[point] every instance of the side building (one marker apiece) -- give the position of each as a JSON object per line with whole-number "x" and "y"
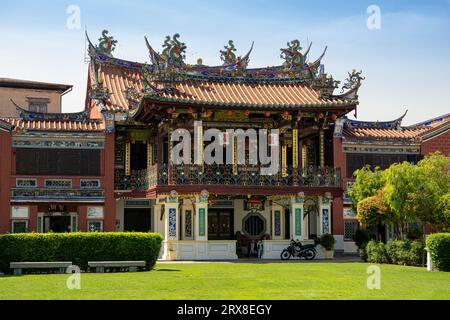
{"x": 380, "y": 144}
{"x": 56, "y": 173}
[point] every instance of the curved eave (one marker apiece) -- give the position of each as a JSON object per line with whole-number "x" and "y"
{"x": 348, "y": 104}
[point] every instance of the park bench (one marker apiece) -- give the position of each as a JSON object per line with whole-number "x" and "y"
{"x": 101, "y": 265}
{"x": 60, "y": 265}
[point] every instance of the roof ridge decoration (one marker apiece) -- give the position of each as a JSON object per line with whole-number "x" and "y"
{"x": 393, "y": 125}
{"x": 27, "y": 115}
{"x": 352, "y": 85}
{"x": 429, "y": 122}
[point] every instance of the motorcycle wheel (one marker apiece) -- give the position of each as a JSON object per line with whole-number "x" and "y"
{"x": 310, "y": 255}
{"x": 285, "y": 255}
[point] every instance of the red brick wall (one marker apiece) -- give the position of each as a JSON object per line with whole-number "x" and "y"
{"x": 439, "y": 143}
{"x": 340, "y": 159}
{"x": 5, "y": 173}
{"x": 337, "y": 209}
{"x": 110, "y": 201}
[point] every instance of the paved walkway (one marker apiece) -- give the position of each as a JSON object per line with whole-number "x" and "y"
{"x": 337, "y": 259}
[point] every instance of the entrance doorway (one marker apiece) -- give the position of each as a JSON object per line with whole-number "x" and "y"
{"x": 220, "y": 224}
{"x": 57, "y": 224}
{"x": 312, "y": 212}
{"x": 137, "y": 220}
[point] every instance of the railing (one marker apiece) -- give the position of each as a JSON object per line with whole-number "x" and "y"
{"x": 238, "y": 175}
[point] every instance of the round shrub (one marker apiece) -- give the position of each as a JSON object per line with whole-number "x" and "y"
{"x": 376, "y": 252}
{"x": 327, "y": 241}
{"x": 79, "y": 248}
{"x": 438, "y": 245}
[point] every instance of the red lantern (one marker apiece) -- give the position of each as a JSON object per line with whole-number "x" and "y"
{"x": 285, "y": 114}
{"x": 247, "y": 113}
{"x": 267, "y": 114}
{"x": 321, "y": 115}
{"x": 169, "y": 110}
{"x": 230, "y": 113}
{"x": 190, "y": 110}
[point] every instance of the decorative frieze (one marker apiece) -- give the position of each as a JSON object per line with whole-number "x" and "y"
{"x": 60, "y": 195}
{"x": 20, "y": 142}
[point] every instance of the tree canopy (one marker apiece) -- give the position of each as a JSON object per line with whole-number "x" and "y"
{"x": 404, "y": 192}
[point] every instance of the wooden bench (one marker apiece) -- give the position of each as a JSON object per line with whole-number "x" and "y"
{"x": 60, "y": 265}
{"x": 101, "y": 265}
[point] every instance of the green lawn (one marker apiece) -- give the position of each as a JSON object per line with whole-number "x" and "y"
{"x": 237, "y": 281}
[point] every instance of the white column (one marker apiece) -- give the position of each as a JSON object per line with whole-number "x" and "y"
{"x": 277, "y": 222}
{"x": 171, "y": 223}
{"x": 40, "y": 222}
{"x": 201, "y": 218}
{"x": 324, "y": 215}
{"x": 297, "y": 206}
{"x": 73, "y": 222}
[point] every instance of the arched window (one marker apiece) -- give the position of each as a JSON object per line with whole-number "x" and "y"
{"x": 254, "y": 224}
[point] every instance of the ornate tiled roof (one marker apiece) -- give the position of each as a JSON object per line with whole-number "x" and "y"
{"x": 36, "y": 121}
{"x": 119, "y": 85}
{"x": 55, "y": 125}
{"x": 119, "y": 81}
{"x": 393, "y": 130}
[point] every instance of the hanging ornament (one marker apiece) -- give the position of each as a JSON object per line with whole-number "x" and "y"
{"x": 267, "y": 114}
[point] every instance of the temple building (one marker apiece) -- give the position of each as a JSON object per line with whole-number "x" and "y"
{"x": 214, "y": 211}
{"x": 215, "y": 158}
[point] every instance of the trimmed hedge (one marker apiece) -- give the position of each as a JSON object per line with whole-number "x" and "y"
{"x": 438, "y": 245}
{"x": 409, "y": 253}
{"x": 79, "y": 248}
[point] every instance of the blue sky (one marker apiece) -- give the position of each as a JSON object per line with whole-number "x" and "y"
{"x": 406, "y": 62}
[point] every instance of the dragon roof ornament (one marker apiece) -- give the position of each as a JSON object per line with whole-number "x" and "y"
{"x": 292, "y": 55}
{"x": 106, "y": 43}
{"x": 352, "y": 85}
{"x": 173, "y": 53}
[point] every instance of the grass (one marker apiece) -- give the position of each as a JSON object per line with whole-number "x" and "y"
{"x": 253, "y": 281}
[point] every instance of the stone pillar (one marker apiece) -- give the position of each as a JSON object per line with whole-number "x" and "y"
{"x": 171, "y": 230}
{"x": 297, "y": 207}
{"x": 324, "y": 214}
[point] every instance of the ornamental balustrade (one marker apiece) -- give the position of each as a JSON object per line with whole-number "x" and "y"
{"x": 226, "y": 174}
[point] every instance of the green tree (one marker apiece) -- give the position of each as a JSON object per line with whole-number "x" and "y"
{"x": 367, "y": 184}
{"x": 430, "y": 201}
{"x": 373, "y": 211}
{"x": 402, "y": 179}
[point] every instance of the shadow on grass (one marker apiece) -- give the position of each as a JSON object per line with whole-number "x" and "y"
{"x": 168, "y": 270}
